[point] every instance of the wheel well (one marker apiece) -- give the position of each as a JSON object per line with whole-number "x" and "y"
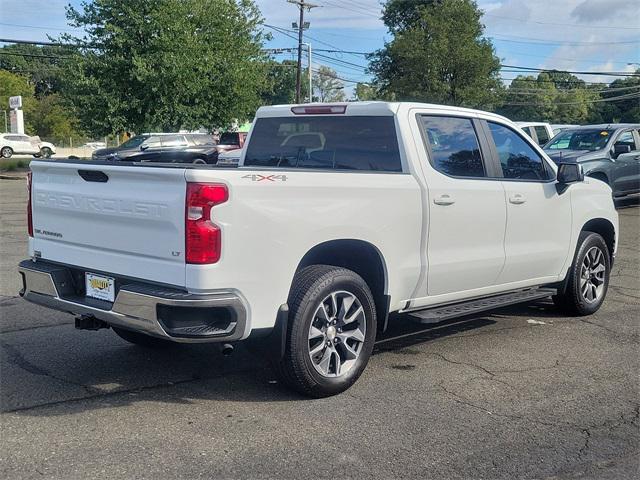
{"x": 605, "y": 229}
{"x": 361, "y": 257}
{"x": 599, "y": 176}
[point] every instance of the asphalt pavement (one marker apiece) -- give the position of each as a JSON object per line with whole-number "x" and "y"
{"x": 520, "y": 393}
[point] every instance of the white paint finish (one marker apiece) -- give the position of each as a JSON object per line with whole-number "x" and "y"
{"x": 269, "y": 226}
{"x": 131, "y": 225}
{"x": 538, "y": 230}
{"x": 433, "y": 254}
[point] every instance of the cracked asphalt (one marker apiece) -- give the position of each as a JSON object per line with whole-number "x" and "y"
{"x": 520, "y": 393}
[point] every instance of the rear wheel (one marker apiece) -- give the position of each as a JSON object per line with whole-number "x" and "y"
{"x": 141, "y": 339}
{"x": 331, "y": 331}
{"x": 45, "y": 152}
{"x": 588, "y": 277}
{"x": 6, "y": 152}
{"x": 199, "y": 161}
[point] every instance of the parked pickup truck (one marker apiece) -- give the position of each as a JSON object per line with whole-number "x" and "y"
{"x": 336, "y": 216}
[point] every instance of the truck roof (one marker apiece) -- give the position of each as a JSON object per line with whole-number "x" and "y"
{"x": 371, "y": 108}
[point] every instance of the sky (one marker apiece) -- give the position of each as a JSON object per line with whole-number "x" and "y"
{"x": 577, "y": 35}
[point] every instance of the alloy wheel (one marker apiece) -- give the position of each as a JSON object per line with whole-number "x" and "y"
{"x": 592, "y": 275}
{"x": 336, "y": 334}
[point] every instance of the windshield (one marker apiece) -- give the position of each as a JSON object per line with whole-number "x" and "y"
{"x": 134, "y": 142}
{"x": 583, "y": 139}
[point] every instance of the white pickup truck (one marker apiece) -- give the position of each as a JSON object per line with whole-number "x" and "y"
{"x": 336, "y": 216}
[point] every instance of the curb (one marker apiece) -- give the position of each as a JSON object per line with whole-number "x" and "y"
{"x": 13, "y": 177}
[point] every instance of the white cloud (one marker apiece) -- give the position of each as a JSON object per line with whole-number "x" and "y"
{"x": 577, "y": 36}
{"x": 598, "y": 10}
{"x": 359, "y": 15}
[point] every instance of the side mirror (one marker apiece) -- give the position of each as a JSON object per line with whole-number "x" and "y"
{"x": 568, "y": 173}
{"x": 144, "y": 146}
{"x": 619, "y": 149}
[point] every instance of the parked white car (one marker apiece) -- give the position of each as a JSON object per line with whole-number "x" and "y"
{"x": 229, "y": 158}
{"x": 17, "y": 143}
{"x": 308, "y": 245}
{"x": 540, "y": 132}
{"x": 47, "y": 149}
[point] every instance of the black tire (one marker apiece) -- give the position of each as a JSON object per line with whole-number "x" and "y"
{"x": 6, "y": 152}
{"x": 45, "y": 152}
{"x": 573, "y": 301}
{"x": 141, "y": 339}
{"x": 312, "y": 286}
{"x": 199, "y": 161}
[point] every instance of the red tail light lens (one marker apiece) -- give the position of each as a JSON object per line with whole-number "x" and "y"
{"x": 29, "y": 208}
{"x": 203, "y": 238}
{"x": 319, "y": 109}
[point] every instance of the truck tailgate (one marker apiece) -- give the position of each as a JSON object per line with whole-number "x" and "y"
{"x": 118, "y": 219}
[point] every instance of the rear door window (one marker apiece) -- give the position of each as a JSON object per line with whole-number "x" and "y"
{"x": 453, "y": 146}
{"x": 365, "y": 143}
{"x": 542, "y": 134}
{"x": 173, "y": 141}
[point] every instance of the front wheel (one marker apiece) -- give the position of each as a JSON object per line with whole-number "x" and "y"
{"x": 6, "y": 152}
{"x": 331, "y": 331}
{"x": 588, "y": 277}
{"x": 45, "y": 152}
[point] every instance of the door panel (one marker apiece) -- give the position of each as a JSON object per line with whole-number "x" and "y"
{"x": 466, "y": 212}
{"x": 538, "y": 227}
{"x": 538, "y": 231}
{"x": 627, "y": 165}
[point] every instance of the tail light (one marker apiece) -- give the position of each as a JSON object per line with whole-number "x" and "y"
{"x": 203, "y": 238}
{"x": 318, "y": 109}
{"x": 29, "y": 208}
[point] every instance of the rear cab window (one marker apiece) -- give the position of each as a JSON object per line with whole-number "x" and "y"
{"x": 327, "y": 142}
{"x": 453, "y": 146}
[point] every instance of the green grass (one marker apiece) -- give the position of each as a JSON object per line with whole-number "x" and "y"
{"x": 13, "y": 165}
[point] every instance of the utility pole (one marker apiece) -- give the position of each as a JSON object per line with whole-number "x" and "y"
{"x": 302, "y": 4}
{"x": 309, "y": 64}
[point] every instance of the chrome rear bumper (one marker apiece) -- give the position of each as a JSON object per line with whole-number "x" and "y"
{"x": 137, "y": 306}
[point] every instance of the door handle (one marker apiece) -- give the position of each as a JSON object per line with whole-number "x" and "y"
{"x": 517, "y": 199}
{"x": 444, "y": 199}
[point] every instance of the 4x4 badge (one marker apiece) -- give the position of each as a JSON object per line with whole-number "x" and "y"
{"x": 268, "y": 178}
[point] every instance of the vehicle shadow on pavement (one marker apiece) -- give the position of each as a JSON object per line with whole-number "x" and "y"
{"x": 627, "y": 202}
{"x": 71, "y": 371}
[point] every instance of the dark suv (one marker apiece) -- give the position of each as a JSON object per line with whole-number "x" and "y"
{"x": 610, "y": 153}
{"x": 163, "y": 147}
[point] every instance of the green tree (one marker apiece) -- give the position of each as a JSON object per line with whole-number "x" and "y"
{"x": 52, "y": 118}
{"x": 12, "y": 84}
{"x": 41, "y": 65}
{"x": 165, "y": 64}
{"x": 326, "y": 85}
{"x": 364, "y": 92}
{"x": 529, "y": 99}
{"x": 437, "y": 54}
{"x": 621, "y": 102}
{"x": 281, "y": 83}
{"x": 557, "y": 97}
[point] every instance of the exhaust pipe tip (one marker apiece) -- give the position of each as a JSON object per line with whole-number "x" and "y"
{"x": 226, "y": 349}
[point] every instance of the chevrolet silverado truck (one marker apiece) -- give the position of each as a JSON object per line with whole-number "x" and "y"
{"x": 337, "y": 215}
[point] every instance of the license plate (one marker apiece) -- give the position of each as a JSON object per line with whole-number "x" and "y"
{"x": 99, "y": 286}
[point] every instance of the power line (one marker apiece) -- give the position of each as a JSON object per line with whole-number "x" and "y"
{"x": 542, "y": 41}
{"x": 18, "y": 54}
{"x": 584, "y": 25}
{"x": 573, "y": 72}
{"x": 40, "y": 27}
{"x": 627, "y": 96}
